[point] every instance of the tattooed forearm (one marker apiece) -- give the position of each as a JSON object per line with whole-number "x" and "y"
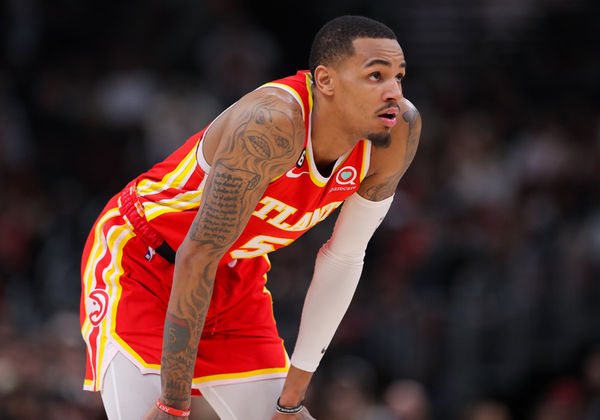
{"x": 183, "y": 328}
{"x": 177, "y": 333}
{"x": 195, "y": 302}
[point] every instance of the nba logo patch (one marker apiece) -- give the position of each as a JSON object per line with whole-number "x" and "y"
{"x": 149, "y": 254}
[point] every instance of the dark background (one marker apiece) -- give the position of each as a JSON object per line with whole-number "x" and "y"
{"x": 480, "y": 295}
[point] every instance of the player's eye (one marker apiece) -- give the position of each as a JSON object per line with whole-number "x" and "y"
{"x": 375, "y": 76}
{"x": 399, "y": 77}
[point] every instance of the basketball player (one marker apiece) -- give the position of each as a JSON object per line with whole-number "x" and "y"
{"x": 162, "y": 325}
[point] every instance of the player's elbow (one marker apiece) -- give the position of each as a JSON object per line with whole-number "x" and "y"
{"x": 196, "y": 257}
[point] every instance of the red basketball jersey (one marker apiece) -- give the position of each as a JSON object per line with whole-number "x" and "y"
{"x": 170, "y": 193}
{"x": 125, "y": 289}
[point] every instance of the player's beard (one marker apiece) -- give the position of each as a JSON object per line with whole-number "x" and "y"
{"x": 381, "y": 140}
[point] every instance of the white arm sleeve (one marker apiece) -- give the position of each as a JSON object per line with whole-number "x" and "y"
{"x": 337, "y": 271}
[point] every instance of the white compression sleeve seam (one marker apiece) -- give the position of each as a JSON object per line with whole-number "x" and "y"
{"x": 337, "y": 271}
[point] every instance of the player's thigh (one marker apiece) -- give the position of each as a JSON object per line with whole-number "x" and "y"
{"x": 127, "y": 394}
{"x": 245, "y": 401}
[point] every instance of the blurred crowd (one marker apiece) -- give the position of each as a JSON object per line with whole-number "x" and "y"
{"x": 480, "y": 294}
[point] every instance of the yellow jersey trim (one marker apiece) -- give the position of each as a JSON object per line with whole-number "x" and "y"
{"x": 291, "y": 90}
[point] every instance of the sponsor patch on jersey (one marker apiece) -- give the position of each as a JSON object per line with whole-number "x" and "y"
{"x": 346, "y": 176}
{"x": 345, "y": 179}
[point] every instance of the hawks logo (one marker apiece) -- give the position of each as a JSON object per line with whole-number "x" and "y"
{"x": 97, "y": 306}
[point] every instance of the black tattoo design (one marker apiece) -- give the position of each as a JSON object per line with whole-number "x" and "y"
{"x": 260, "y": 148}
{"x": 218, "y": 221}
{"x": 282, "y": 142}
{"x": 177, "y": 333}
{"x": 410, "y": 117}
{"x": 259, "y": 131}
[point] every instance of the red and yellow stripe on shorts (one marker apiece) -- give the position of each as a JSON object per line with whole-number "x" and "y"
{"x": 101, "y": 271}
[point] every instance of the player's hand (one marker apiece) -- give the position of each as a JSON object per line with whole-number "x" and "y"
{"x": 303, "y": 415}
{"x": 156, "y": 414}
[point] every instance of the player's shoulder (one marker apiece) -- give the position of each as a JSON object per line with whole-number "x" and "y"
{"x": 279, "y": 101}
{"x": 271, "y": 119}
{"x": 408, "y": 126}
{"x": 268, "y": 110}
{"x": 409, "y": 112}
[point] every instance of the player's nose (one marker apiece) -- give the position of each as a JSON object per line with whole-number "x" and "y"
{"x": 393, "y": 92}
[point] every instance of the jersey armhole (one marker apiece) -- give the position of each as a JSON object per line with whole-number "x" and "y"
{"x": 200, "y": 159}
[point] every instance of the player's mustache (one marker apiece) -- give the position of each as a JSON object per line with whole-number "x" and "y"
{"x": 388, "y": 107}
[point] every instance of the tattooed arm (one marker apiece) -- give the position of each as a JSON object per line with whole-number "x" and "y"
{"x": 388, "y": 164}
{"x": 256, "y": 140}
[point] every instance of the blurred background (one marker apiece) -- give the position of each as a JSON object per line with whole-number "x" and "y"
{"x": 480, "y": 297}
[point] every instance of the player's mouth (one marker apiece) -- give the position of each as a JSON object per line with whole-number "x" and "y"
{"x": 388, "y": 116}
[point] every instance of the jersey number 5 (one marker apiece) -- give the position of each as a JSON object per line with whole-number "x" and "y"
{"x": 258, "y": 246}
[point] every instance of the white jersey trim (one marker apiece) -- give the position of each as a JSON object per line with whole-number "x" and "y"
{"x": 275, "y": 375}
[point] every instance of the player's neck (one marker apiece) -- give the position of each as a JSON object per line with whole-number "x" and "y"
{"x": 329, "y": 138}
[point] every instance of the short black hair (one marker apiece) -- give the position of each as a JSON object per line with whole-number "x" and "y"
{"x": 334, "y": 40}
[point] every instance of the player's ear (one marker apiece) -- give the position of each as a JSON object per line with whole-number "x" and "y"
{"x": 324, "y": 80}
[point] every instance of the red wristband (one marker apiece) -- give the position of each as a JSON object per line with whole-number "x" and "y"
{"x": 172, "y": 411}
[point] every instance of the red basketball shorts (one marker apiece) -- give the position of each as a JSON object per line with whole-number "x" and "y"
{"x": 125, "y": 291}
